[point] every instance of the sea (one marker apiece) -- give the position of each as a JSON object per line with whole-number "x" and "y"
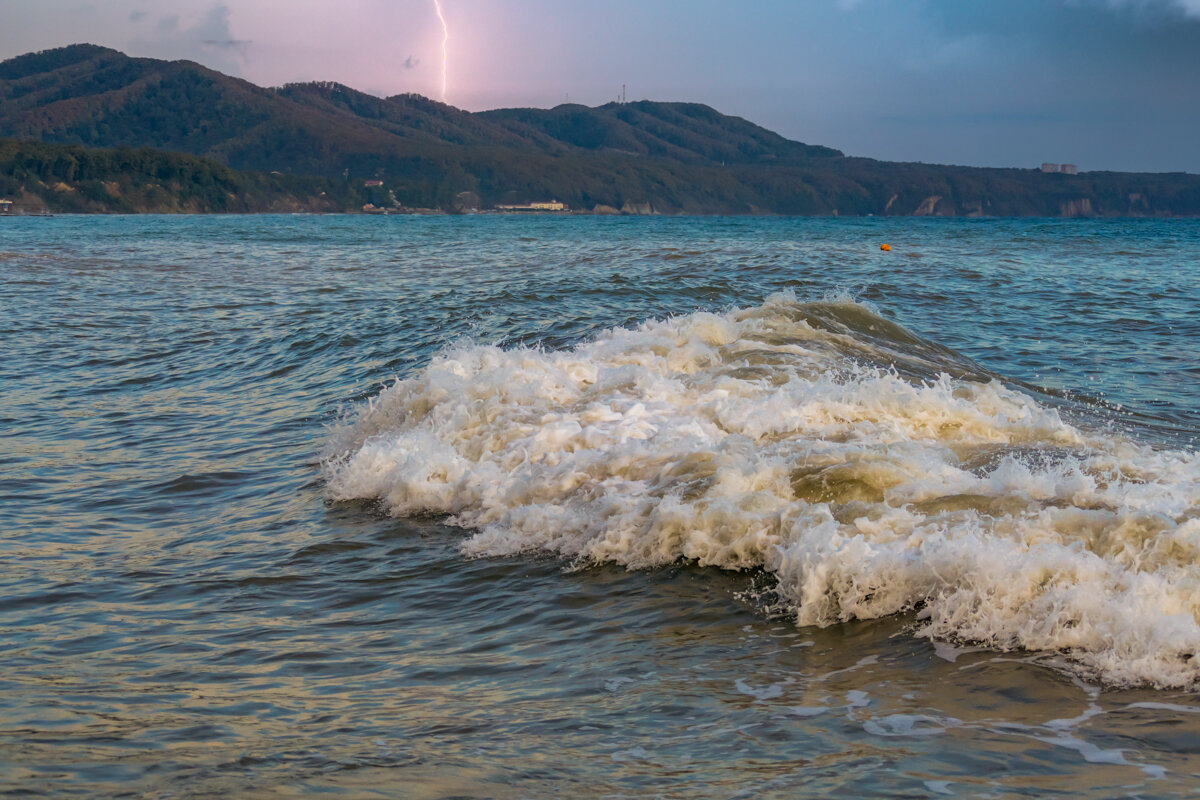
{"x": 638, "y": 507}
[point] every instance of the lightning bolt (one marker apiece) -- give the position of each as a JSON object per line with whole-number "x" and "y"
{"x": 445, "y": 38}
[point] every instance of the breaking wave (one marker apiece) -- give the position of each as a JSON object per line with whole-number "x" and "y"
{"x": 868, "y": 471}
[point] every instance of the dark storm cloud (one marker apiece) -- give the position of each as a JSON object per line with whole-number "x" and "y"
{"x": 411, "y": 62}
{"x": 1102, "y": 83}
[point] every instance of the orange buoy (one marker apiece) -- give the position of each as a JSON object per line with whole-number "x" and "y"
{"x": 887, "y": 247}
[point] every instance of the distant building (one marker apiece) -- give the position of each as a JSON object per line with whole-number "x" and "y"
{"x": 1070, "y": 169}
{"x": 372, "y": 183}
{"x": 6, "y": 206}
{"x": 1048, "y": 167}
{"x": 539, "y": 205}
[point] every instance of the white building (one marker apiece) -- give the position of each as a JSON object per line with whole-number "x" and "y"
{"x": 537, "y": 205}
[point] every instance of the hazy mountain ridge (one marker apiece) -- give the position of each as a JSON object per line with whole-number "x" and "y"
{"x": 665, "y": 157}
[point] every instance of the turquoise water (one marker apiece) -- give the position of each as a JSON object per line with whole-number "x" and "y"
{"x": 500, "y": 507}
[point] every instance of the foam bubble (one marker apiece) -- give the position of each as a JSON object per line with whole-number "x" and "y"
{"x": 818, "y": 442}
{"x": 910, "y": 725}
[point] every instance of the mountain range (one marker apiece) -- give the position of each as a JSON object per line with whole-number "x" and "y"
{"x": 638, "y": 157}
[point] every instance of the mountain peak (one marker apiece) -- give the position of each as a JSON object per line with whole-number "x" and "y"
{"x": 51, "y": 60}
{"x": 413, "y": 151}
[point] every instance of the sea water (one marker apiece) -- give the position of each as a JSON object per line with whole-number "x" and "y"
{"x": 634, "y": 507}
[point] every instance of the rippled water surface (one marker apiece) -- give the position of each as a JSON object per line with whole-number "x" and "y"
{"x": 818, "y": 520}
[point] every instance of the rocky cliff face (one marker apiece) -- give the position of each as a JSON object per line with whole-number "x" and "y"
{"x": 936, "y": 206}
{"x": 639, "y": 209}
{"x": 1081, "y": 207}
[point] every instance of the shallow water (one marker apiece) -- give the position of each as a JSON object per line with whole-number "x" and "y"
{"x": 199, "y": 599}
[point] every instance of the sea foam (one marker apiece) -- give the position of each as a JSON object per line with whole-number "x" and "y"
{"x": 868, "y": 471}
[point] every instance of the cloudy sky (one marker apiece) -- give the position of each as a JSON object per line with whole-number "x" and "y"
{"x": 1107, "y": 84}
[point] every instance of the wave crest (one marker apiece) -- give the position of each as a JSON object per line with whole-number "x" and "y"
{"x": 870, "y": 471}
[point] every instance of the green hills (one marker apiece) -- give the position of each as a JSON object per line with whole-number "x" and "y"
{"x": 315, "y": 145}
{"x": 40, "y": 177}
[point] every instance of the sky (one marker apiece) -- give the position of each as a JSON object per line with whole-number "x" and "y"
{"x": 1105, "y": 84}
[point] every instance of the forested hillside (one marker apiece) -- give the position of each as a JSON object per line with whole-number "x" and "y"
{"x": 643, "y": 157}
{"x": 42, "y": 177}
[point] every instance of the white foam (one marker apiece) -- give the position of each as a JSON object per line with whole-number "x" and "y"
{"x": 768, "y": 692}
{"x": 1090, "y": 752}
{"x": 1178, "y": 709}
{"x": 753, "y": 439}
{"x": 910, "y": 725}
{"x": 632, "y": 754}
{"x": 949, "y": 652}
